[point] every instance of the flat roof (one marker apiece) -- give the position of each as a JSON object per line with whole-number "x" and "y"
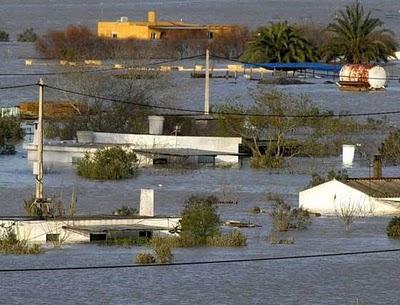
{"x": 185, "y": 152}
{"x": 112, "y": 228}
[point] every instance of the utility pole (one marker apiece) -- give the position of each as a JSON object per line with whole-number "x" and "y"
{"x": 207, "y": 85}
{"x": 39, "y": 165}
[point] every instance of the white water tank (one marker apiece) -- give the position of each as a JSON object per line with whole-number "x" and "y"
{"x": 375, "y": 76}
{"x": 156, "y": 124}
{"x": 348, "y": 154}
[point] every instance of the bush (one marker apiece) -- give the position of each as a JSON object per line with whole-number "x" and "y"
{"x": 316, "y": 179}
{"x": 393, "y": 228}
{"x": 200, "y": 219}
{"x": 285, "y": 218}
{"x": 390, "y": 150}
{"x": 4, "y": 36}
{"x": 145, "y": 258}
{"x": 126, "y": 242}
{"x": 232, "y": 239}
{"x": 111, "y": 163}
{"x": 28, "y": 35}
{"x": 10, "y": 133}
{"x": 9, "y": 244}
{"x": 162, "y": 249}
{"x": 125, "y": 211}
{"x": 266, "y": 161}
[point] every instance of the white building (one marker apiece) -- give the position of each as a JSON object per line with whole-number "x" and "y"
{"x": 362, "y": 196}
{"x": 147, "y": 147}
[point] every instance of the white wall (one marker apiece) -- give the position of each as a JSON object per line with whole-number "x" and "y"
{"x": 143, "y": 141}
{"x": 328, "y": 197}
{"x": 35, "y": 231}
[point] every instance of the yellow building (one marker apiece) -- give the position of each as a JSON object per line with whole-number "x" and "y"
{"x": 155, "y": 29}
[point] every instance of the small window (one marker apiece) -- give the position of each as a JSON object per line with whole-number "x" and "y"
{"x": 98, "y": 237}
{"x": 210, "y": 35}
{"x": 153, "y": 35}
{"x": 114, "y": 35}
{"x": 52, "y": 237}
{"x": 147, "y": 234}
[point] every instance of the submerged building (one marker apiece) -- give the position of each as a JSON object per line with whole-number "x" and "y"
{"x": 154, "y": 29}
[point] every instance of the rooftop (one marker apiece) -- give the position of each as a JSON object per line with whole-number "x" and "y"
{"x": 388, "y": 187}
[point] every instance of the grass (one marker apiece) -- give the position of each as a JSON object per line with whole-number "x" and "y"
{"x": 9, "y": 244}
{"x": 231, "y": 239}
{"x": 127, "y": 242}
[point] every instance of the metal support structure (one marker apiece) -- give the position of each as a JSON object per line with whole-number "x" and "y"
{"x": 39, "y": 192}
{"x": 207, "y": 85}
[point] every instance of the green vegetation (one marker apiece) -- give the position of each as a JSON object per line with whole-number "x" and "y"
{"x": 285, "y": 218}
{"x": 162, "y": 250}
{"x": 316, "y": 179}
{"x": 125, "y": 211}
{"x": 4, "y": 36}
{"x": 231, "y": 239}
{"x": 145, "y": 258}
{"x": 393, "y": 228}
{"x": 358, "y": 37}
{"x": 279, "y": 42}
{"x": 112, "y": 163}
{"x": 28, "y": 35}
{"x": 200, "y": 219}
{"x": 9, "y": 244}
{"x": 10, "y": 133}
{"x": 127, "y": 242}
{"x": 390, "y": 150}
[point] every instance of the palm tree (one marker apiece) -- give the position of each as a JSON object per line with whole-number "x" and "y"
{"x": 359, "y": 38}
{"x": 279, "y": 42}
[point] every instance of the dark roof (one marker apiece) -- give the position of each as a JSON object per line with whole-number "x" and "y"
{"x": 388, "y": 187}
{"x": 299, "y": 66}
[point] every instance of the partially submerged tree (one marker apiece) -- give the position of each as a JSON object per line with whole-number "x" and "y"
{"x": 10, "y": 133}
{"x": 358, "y": 37}
{"x": 28, "y": 35}
{"x": 390, "y": 149}
{"x": 279, "y": 42}
{"x": 4, "y": 36}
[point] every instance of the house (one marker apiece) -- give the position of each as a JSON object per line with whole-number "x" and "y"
{"x": 359, "y": 196}
{"x": 154, "y": 29}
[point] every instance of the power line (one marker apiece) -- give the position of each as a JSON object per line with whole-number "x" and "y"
{"x": 233, "y": 261}
{"x": 18, "y": 86}
{"x": 102, "y": 70}
{"x": 194, "y": 112}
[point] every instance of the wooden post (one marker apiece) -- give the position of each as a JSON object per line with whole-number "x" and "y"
{"x": 39, "y": 175}
{"x": 207, "y": 85}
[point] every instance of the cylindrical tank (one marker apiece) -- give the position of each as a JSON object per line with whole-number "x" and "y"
{"x": 373, "y": 75}
{"x": 156, "y": 124}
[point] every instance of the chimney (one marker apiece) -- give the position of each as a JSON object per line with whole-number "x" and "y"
{"x": 152, "y": 17}
{"x": 377, "y": 165}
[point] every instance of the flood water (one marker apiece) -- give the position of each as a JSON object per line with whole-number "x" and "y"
{"x": 373, "y": 279}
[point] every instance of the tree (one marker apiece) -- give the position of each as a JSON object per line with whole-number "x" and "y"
{"x": 10, "y": 133}
{"x": 4, "y": 36}
{"x": 358, "y": 37}
{"x": 279, "y": 42}
{"x": 390, "y": 149}
{"x": 28, "y": 35}
{"x": 111, "y": 163}
{"x": 200, "y": 219}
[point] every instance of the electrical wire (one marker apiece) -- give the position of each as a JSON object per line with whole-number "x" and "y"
{"x": 223, "y": 113}
{"x": 18, "y": 86}
{"x": 101, "y": 70}
{"x": 232, "y": 261}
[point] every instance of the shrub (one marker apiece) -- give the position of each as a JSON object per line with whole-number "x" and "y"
{"x": 125, "y": 211}
{"x": 4, "y": 36}
{"x": 231, "y": 239}
{"x": 316, "y": 179}
{"x": 393, "y": 228}
{"x": 390, "y": 150}
{"x": 10, "y": 133}
{"x": 111, "y": 163}
{"x": 162, "y": 249}
{"x": 266, "y": 161}
{"x": 9, "y": 244}
{"x": 285, "y": 218}
{"x": 28, "y": 35}
{"x": 200, "y": 219}
{"x": 145, "y": 258}
{"x": 127, "y": 242}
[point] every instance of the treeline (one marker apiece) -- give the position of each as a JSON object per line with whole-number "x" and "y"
{"x": 79, "y": 42}
{"x": 28, "y": 35}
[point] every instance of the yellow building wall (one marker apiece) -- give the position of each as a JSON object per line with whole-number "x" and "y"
{"x": 123, "y": 30}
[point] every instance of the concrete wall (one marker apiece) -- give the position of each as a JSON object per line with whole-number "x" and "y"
{"x": 35, "y": 231}
{"x": 143, "y": 141}
{"x": 329, "y": 197}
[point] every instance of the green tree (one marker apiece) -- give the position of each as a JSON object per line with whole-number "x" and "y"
{"x": 28, "y": 35}
{"x": 10, "y": 133}
{"x": 279, "y": 42}
{"x": 358, "y": 37}
{"x": 112, "y": 163}
{"x": 390, "y": 149}
{"x": 4, "y": 36}
{"x": 200, "y": 219}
